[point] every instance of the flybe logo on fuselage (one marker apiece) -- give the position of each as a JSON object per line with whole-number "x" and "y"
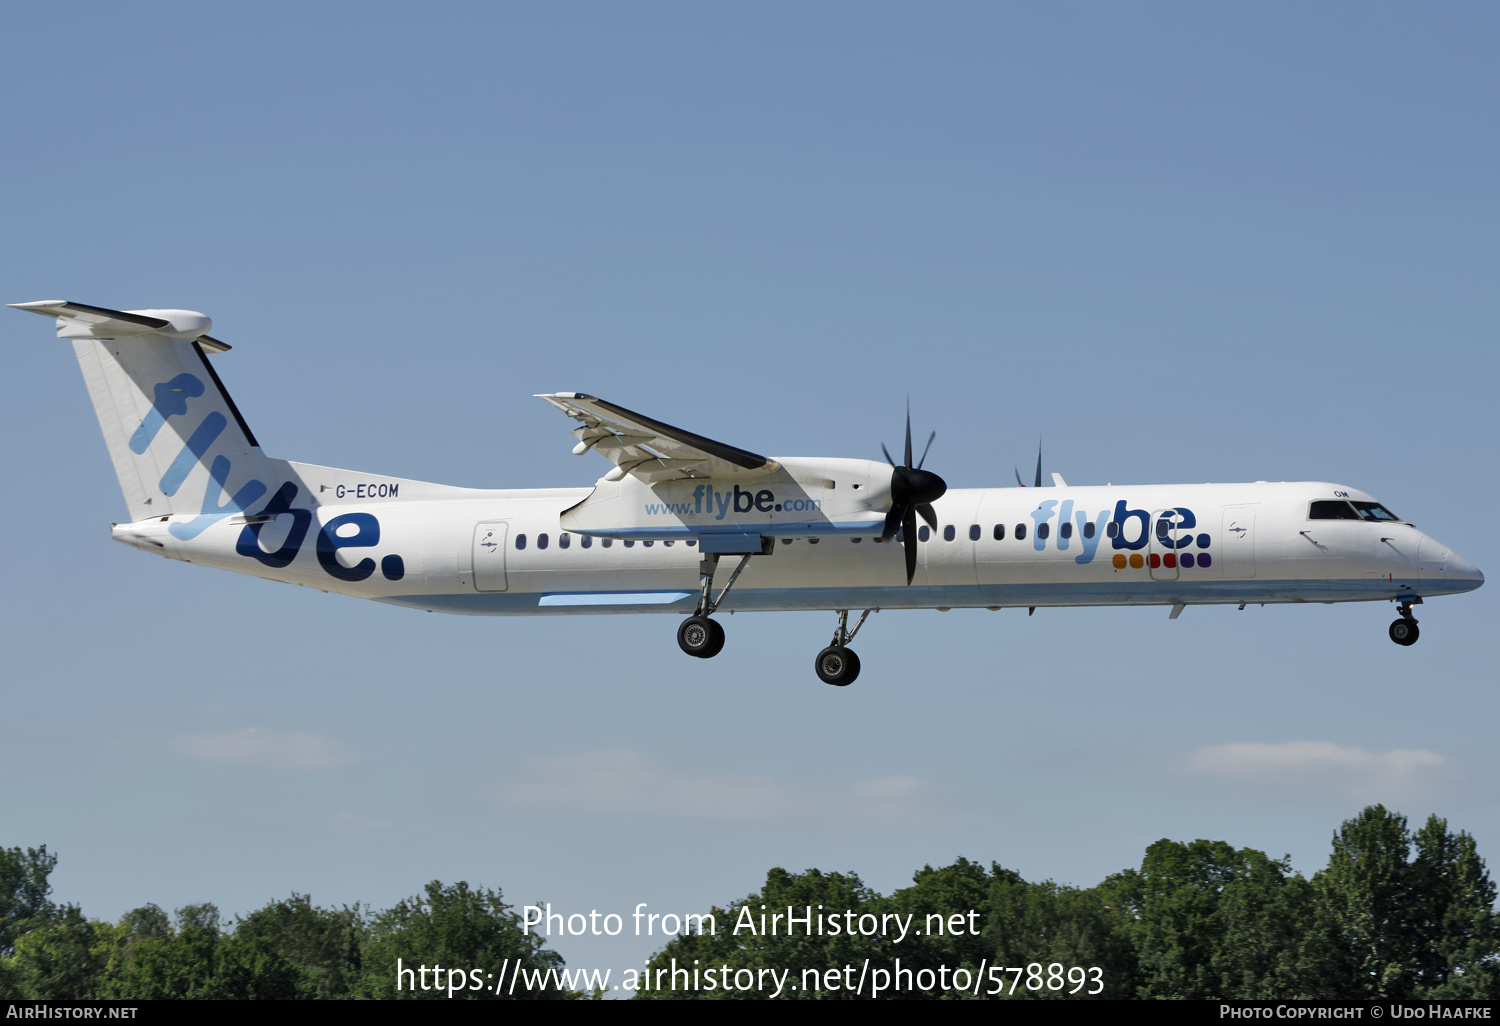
{"x": 351, "y": 530}
{"x": 706, "y": 500}
{"x": 1126, "y": 528}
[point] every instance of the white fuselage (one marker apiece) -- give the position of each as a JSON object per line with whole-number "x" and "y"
{"x": 506, "y": 552}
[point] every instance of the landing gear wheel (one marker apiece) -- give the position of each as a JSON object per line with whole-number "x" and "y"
{"x": 718, "y": 642}
{"x": 837, "y": 665}
{"x": 1404, "y": 632}
{"x": 699, "y": 636}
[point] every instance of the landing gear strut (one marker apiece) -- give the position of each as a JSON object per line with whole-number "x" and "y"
{"x": 1404, "y": 631}
{"x": 699, "y": 635}
{"x": 837, "y": 664}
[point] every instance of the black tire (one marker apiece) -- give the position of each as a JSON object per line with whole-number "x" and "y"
{"x": 837, "y": 665}
{"x": 718, "y": 643}
{"x": 1404, "y": 631}
{"x": 699, "y": 636}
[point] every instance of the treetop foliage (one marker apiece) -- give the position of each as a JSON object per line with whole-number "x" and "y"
{"x": 1396, "y": 914}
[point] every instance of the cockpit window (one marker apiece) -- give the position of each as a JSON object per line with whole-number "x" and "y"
{"x": 1374, "y": 511}
{"x": 1353, "y": 509}
{"x": 1332, "y": 509}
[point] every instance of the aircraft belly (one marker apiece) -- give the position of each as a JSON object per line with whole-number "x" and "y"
{"x": 681, "y": 600}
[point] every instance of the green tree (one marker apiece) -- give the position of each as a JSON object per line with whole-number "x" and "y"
{"x": 935, "y": 938}
{"x": 1276, "y": 940}
{"x": 1199, "y": 918}
{"x": 194, "y": 961}
{"x": 1452, "y": 904}
{"x": 1368, "y": 890}
{"x": 458, "y": 928}
{"x": 322, "y": 944}
{"x": 1048, "y": 922}
{"x": 24, "y": 890}
{"x": 63, "y": 959}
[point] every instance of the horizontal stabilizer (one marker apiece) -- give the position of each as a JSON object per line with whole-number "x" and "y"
{"x": 79, "y": 320}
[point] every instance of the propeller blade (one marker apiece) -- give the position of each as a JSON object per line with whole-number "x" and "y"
{"x": 1019, "y": 482}
{"x": 887, "y": 454}
{"x": 908, "y": 436}
{"x": 892, "y": 522}
{"x": 909, "y": 534}
{"x": 924, "y": 450}
{"x": 1039, "y": 464}
{"x": 928, "y": 514}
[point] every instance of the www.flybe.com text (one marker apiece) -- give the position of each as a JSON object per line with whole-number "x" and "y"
{"x": 720, "y": 504}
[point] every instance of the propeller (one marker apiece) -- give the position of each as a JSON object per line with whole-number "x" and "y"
{"x": 1038, "y": 468}
{"x": 913, "y": 491}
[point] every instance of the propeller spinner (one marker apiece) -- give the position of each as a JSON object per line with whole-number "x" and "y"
{"x": 913, "y": 491}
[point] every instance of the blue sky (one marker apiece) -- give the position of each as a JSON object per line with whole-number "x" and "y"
{"x": 1175, "y": 242}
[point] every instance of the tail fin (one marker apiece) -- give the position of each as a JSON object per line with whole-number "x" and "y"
{"x": 178, "y": 442}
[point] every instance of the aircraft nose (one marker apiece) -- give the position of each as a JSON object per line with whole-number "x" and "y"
{"x": 1460, "y": 569}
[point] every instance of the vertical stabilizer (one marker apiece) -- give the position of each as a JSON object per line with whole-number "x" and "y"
{"x": 178, "y": 443}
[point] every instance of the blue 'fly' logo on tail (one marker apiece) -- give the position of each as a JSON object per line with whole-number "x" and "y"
{"x": 171, "y": 401}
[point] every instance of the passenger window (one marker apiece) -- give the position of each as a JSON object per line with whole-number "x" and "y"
{"x": 999, "y": 532}
{"x": 667, "y": 543}
{"x": 564, "y": 540}
{"x": 692, "y": 542}
{"x": 607, "y": 542}
{"x": 974, "y": 532}
{"x": 587, "y": 542}
{"x": 948, "y": 533}
{"x": 1066, "y": 530}
{"x": 520, "y": 541}
{"x": 541, "y": 541}
{"x": 648, "y": 544}
{"x": 923, "y": 534}
{"x": 1111, "y": 529}
{"x": 1331, "y": 509}
{"x": 630, "y": 543}
{"x": 1088, "y": 529}
{"x": 856, "y": 540}
{"x": 1020, "y": 532}
{"x": 1043, "y": 531}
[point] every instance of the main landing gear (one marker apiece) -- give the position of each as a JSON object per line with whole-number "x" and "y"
{"x": 837, "y": 664}
{"x": 700, "y": 635}
{"x": 1404, "y": 631}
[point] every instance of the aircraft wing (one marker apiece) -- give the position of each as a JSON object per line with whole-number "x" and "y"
{"x": 649, "y": 449}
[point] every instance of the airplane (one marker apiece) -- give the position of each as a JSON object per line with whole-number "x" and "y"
{"x": 804, "y": 533}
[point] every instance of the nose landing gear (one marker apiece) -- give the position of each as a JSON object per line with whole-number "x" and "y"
{"x": 1404, "y": 631}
